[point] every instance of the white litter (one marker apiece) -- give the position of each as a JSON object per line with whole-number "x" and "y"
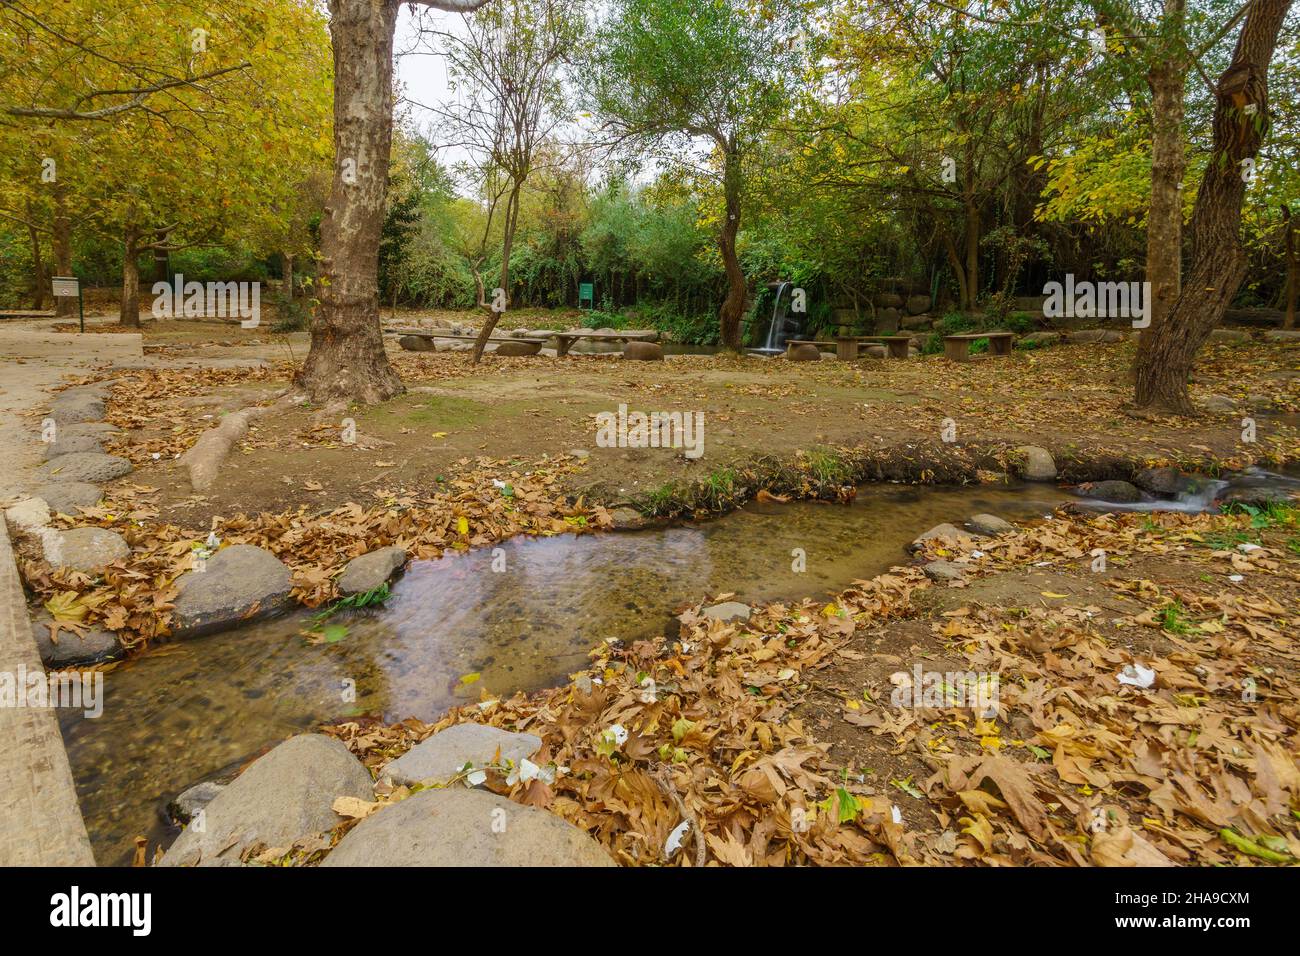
{"x": 674, "y": 841}
{"x": 1136, "y": 675}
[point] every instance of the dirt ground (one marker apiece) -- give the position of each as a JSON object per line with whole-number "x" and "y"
{"x": 1068, "y": 399}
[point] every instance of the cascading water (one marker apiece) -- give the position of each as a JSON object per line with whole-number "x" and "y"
{"x": 780, "y": 326}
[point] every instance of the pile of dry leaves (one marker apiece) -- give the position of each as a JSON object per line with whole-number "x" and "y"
{"x": 483, "y": 503}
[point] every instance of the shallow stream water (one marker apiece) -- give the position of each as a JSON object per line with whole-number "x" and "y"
{"x": 190, "y": 710}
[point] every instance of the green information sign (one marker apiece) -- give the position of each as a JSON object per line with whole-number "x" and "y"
{"x": 587, "y": 294}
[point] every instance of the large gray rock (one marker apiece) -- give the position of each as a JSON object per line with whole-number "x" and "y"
{"x": 1282, "y": 335}
{"x": 627, "y": 519}
{"x": 445, "y": 754}
{"x": 942, "y": 572}
{"x": 371, "y": 570}
{"x": 84, "y": 466}
{"x": 238, "y": 584}
{"x": 30, "y": 516}
{"x": 1042, "y": 338}
{"x": 71, "y": 649}
{"x": 1230, "y": 336}
{"x": 462, "y": 827}
{"x": 1038, "y": 463}
{"x": 518, "y": 349}
{"x": 1094, "y": 336}
{"x": 916, "y": 304}
{"x": 946, "y": 531}
{"x": 1219, "y": 404}
{"x": 69, "y": 408}
{"x": 1165, "y": 480}
{"x": 189, "y": 802}
{"x": 1120, "y": 492}
{"x": 67, "y": 444}
{"x": 85, "y": 549}
{"x": 66, "y": 497}
{"x": 283, "y": 796}
{"x": 803, "y": 353}
{"x": 417, "y": 343}
{"x": 989, "y": 524}
{"x": 887, "y": 321}
{"x": 728, "y": 611}
{"x": 1258, "y": 497}
{"x": 643, "y": 351}
{"x": 81, "y": 429}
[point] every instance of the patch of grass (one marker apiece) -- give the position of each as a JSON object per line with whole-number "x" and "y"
{"x": 443, "y": 411}
{"x": 1173, "y": 618}
{"x": 1228, "y": 540}
{"x": 717, "y": 490}
{"x": 371, "y": 598}
{"x": 828, "y": 467}
{"x": 1275, "y": 514}
{"x": 659, "y": 501}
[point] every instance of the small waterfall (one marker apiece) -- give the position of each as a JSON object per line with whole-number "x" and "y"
{"x": 774, "y": 328}
{"x": 780, "y": 327}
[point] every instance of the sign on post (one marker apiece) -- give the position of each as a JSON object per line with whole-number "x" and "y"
{"x": 587, "y": 293}
{"x": 69, "y": 287}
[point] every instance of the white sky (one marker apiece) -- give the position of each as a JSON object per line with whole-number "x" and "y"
{"x": 422, "y": 73}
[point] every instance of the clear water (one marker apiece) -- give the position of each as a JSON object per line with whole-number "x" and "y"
{"x": 189, "y": 710}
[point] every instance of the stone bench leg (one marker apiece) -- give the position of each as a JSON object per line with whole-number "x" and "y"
{"x": 957, "y": 351}
{"x": 898, "y": 350}
{"x": 562, "y": 346}
{"x": 846, "y": 350}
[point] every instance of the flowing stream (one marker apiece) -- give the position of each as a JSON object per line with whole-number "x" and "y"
{"x": 191, "y": 710}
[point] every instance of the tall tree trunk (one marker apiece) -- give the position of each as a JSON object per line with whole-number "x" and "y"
{"x": 39, "y": 279}
{"x": 1218, "y": 260}
{"x": 1292, "y": 267}
{"x": 507, "y": 244}
{"x": 130, "y": 309}
{"x": 958, "y": 271}
{"x": 733, "y": 306}
{"x": 62, "y": 248}
{"x": 1165, "y": 215}
{"x": 286, "y": 274}
{"x": 972, "y": 253}
{"x": 162, "y": 261}
{"x": 347, "y": 361}
{"x": 972, "y": 225}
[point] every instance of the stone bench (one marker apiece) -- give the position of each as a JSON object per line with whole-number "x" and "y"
{"x": 897, "y": 345}
{"x": 534, "y": 342}
{"x": 566, "y": 340}
{"x": 847, "y": 347}
{"x": 956, "y": 348}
